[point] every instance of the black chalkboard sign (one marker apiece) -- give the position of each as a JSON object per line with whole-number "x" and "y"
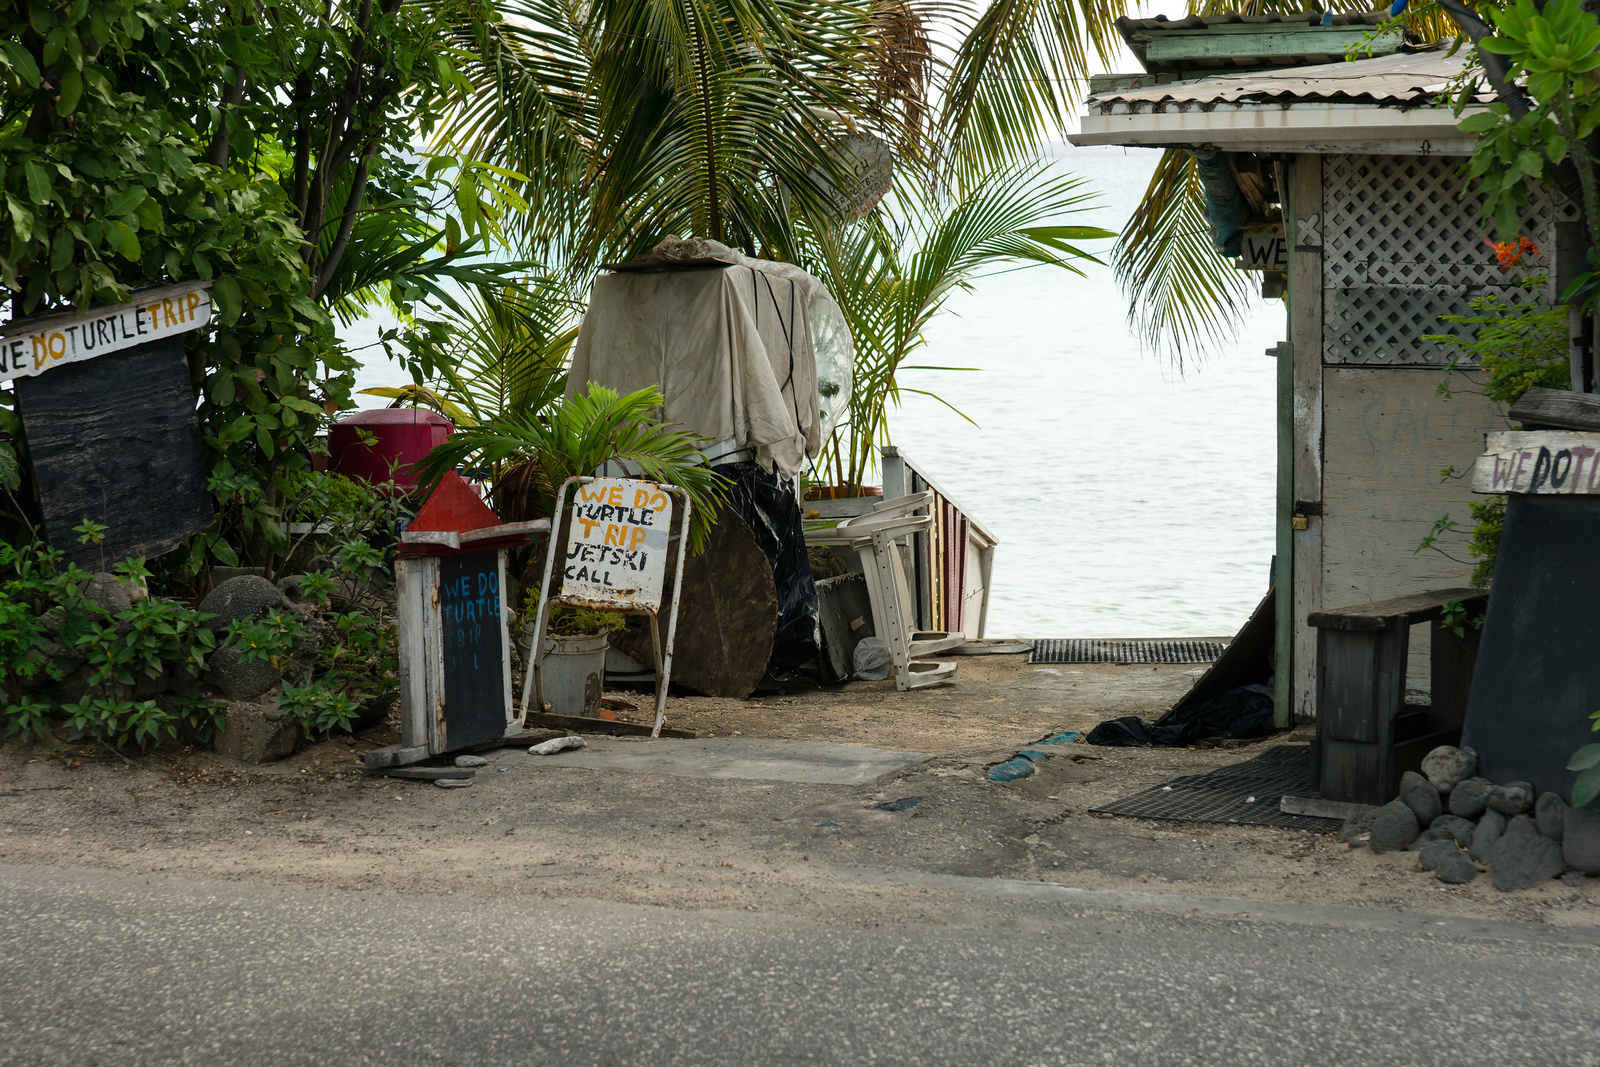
{"x": 115, "y": 440}
{"x": 1538, "y": 677}
{"x": 475, "y": 706}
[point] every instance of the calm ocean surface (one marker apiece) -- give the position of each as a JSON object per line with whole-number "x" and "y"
{"x": 1130, "y": 500}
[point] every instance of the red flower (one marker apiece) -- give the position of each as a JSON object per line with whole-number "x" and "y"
{"x": 1509, "y": 254}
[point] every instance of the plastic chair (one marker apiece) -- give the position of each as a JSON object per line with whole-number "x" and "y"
{"x": 878, "y": 537}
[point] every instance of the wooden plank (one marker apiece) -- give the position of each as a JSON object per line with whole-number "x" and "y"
{"x": 1318, "y": 808}
{"x": 605, "y": 726}
{"x": 426, "y": 774}
{"x": 1272, "y": 45}
{"x": 1398, "y": 611}
{"x": 1557, "y": 409}
{"x": 1305, "y": 336}
{"x": 115, "y": 441}
{"x": 33, "y": 346}
{"x": 1348, "y": 669}
{"x": 1544, "y": 462}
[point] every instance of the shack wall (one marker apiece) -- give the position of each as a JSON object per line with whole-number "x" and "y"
{"x": 1400, "y": 248}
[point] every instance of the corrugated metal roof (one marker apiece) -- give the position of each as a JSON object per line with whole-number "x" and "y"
{"x": 1409, "y": 79}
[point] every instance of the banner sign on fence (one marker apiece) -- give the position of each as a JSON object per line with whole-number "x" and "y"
{"x": 33, "y": 346}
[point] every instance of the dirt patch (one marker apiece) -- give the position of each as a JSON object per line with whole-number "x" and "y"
{"x": 530, "y": 826}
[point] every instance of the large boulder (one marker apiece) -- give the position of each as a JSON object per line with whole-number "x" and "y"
{"x": 257, "y": 732}
{"x": 1393, "y": 828}
{"x": 1433, "y": 852}
{"x": 1513, "y": 798}
{"x": 248, "y": 596}
{"x": 1469, "y": 797}
{"x": 1455, "y": 870}
{"x": 240, "y": 678}
{"x": 1447, "y": 765}
{"x": 1580, "y": 840}
{"x": 1421, "y": 796}
{"x": 1357, "y": 824}
{"x": 1523, "y": 859}
{"x": 105, "y": 589}
{"x": 1550, "y": 815}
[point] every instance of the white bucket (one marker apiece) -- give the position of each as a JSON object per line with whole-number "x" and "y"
{"x": 574, "y": 670}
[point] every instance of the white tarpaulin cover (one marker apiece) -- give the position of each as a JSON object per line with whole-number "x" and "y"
{"x": 732, "y": 350}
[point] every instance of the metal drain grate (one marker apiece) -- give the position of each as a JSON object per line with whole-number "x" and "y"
{"x": 1078, "y": 650}
{"x": 1223, "y": 795}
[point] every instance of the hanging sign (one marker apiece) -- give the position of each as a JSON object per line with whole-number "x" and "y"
{"x": 1263, "y": 251}
{"x": 1542, "y": 462}
{"x": 33, "y": 346}
{"x": 617, "y": 545}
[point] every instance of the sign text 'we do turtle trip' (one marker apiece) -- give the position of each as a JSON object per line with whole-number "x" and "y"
{"x": 617, "y": 546}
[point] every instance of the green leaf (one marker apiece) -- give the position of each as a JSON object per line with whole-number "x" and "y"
{"x": 225, "y": 291}
{"x": 1586, "y": 757}
{"x": 71, "y": 92}
{"x": 38, "y": 183}
{"x": 22, "y": 62}
{"x": 127, "y": 200}
{"x": 1586, "y": 788}
{"x": 1478, "y": 123}
{"x": 10, "y": 471}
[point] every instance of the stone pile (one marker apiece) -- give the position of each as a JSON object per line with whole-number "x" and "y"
{"x": 1459, "y": 824}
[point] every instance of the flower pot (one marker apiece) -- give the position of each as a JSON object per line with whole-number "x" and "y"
{"x": 574, "y": 671}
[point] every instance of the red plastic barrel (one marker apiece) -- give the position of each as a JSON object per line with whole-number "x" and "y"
{"x": 402, "y": 437}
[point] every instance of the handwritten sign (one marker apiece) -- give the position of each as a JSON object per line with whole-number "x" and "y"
{"x": 617, "y": 546}
{"x": 472, "y": 629}
{"x": 1264, "y": 251}
{"x": 1542, "y": 462}
{"x": 33, "y": 346}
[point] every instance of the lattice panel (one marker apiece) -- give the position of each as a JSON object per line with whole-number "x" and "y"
{"x": 1401, "y": 248}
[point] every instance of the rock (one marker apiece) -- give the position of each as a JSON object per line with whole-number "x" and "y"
{"x": 245, "y": 597}
{"x": 1428, "y": 837}
{"x": 1447, "y": 765}
{"x": 1490, "y": 827}
{"x": 1459, "y": 829}
{"x": 1524, "y": 859}
{"x": 1513, "y": 798}
{"x": 471, "y": 761}
{"x": 104, "y": 589}
{"x": 1393, "y": 828}
{"x": 1580, "y": 840}
{"x": 1455, "y": 870}
{"x": 1550, "y": 815}
{"x": 1435, "y": 851}
{"x": 1421, "y": 797}
{"x": 1356, "y": 825}
{"x": 452, "y": 783}
{"x": 1469, "y": 797}
{"x": 1575, "y": 879}
{"x": 238, "y": 678}
{"x": 1521, "y": 824}
{"x": 257, "y": 732}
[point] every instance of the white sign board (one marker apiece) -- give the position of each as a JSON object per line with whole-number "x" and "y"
{"x": 33, "y": 346}
{"x": 1264, "y": 251}
{"x": 617, "y": 545}
{"x": 1562, "y": 462}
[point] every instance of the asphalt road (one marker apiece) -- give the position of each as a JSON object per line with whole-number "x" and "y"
{"x": 109, "y": 968}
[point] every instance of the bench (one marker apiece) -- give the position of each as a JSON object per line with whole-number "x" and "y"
{"x": 1367, "y": 735}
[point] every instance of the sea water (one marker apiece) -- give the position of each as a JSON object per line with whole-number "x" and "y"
{"x": 1130, "y": 499}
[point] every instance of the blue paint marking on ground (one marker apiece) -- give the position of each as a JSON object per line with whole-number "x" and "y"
{"x": 1021, "y": 765}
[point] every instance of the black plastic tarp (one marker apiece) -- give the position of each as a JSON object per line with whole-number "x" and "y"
{"x": 767, "y": 504}
{"x": 1244, "y": 712}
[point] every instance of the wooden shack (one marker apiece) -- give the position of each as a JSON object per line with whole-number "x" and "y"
{"x": 1381, "y": 239}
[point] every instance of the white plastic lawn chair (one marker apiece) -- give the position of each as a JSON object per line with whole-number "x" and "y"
{"x": 877, "y": 536}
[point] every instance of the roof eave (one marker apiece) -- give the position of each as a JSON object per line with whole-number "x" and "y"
{"x": 1319, "y": 128}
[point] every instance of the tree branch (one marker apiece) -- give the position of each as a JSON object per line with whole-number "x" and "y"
{"x": 347, "y": 223}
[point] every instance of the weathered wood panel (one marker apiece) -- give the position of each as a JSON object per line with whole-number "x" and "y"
{"x": 115, "y": 440}
{"x": 476, "y": 703}
{"x": 1557, "y": 409}
{"x": 1306, "y": 293}
{"x": 1545, "y": 462}
{"x": 1387, "y": 436}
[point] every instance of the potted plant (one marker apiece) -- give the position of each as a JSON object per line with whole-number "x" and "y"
{"x": 573, "y": 658}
